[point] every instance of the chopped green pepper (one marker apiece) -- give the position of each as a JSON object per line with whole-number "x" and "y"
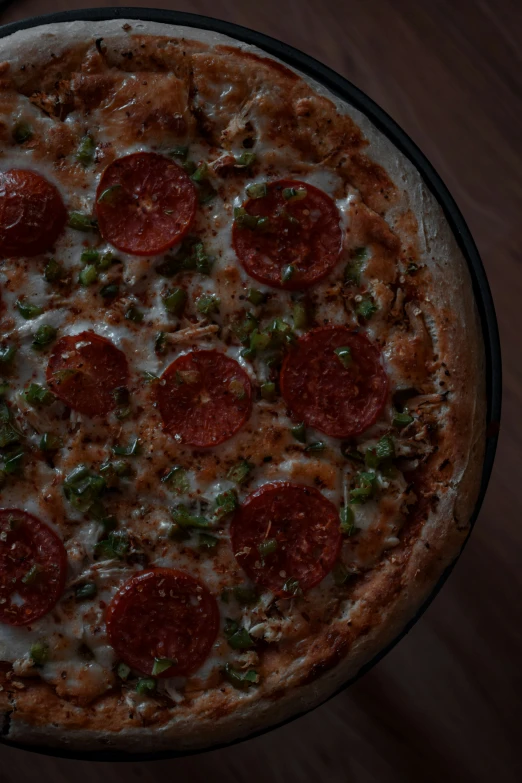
{"x": 383, "y": 451}
{"x": 208, "y": 542}
{"x": 128, "y": 451}
{"x": 177, "y": 480}
{"x": 175, "y": 301}
{"x": 82, "y": 488}
{"x": 347, "y": 521}
{"x": 134, "y": 314}
{"x": 114, "y": 547}
{"x": 50, "y": 442}
{"x": 27, "y": 310}
{"x": 110, "y": 195}
{"x": 240, "y": 471}
{"x": 32, "y": 575}
{"x": 268, "y": 391}
{"x": 8, "y": 435}
{"x": 300, "y": 315}
{"x": 123, "y": 671}
{"x": 7, "y": 354}
{"x": 292, "y": 587}
{"x": 246, "y": 159}
{"x": 401, "y": 419}
{"x": 238, "y": 638}
{"x": 287, "y": 273}
{"x": 256, "y": 297}
{"x": 37, "y": 395}
{"x": 243, "y": 329}
{"x": 299, "y": 432}
{"x": 85, "y": 591}
{"x": 146, "y": 686}
{"x": 160, "y": 343}
{"x": 344, "y": 354}
{"x": 53, "y": 271}
{"x": 257, "y": 190}
{"x": 22, "y": 132}
{"x": 208, "y": 304}
{"x": 238, "y": 678}
{"x": 185, "y": 519}
{"x": 109, "y": 291}
{"x": 237, "y": 389}
{"x": 294, "y": 194}
{"x": 162, "y": 664}
{"x": 316, "y": 448}
{"x": 44, "y": 336}
{"x": 89, "y": 256}
{"x": 365, "y": 485}
{"x": 86, "y": 150}
{"x": 88, "y": 275}
{"x": 180, "y": 152}
{"x": 81, "y": 222}
{"x": 13, "y": 463}
{"x": 352, "y": 273}
{"x": 200, "y": 173}
{"x": 366, "y": 308}
{"x": 39, "y": 653}
{"x": 259, "y": 341}
{"x": 243, "y": 219}
{"x": 226, "y": 503}
{"x": 189, "y": 167}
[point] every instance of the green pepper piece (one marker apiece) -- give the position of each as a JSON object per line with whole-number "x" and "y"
{"x": 44, "y": 336}
{"x": 86, "y": 150}
{"x": 175, "y": 301}
{"x": 85, "y": 591}
{"x": 81, "y": 222}
{"x": 39, "y": 653}
{"x": 27, "y": 310}
{"x": 240, "y": 471}
{"x": 22, "y": 132}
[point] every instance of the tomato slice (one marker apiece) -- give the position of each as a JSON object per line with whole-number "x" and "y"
{"x": 319, "y": 390}
{"x": 302, "y": 234}
{"x": 84, "y": 370}
{"x": 165, "y": 614}
{"x": 145, "y": 203}
{"x": 305, "y": 528}
{"x": 33, "y": 567}
{"x": 204, "y": 398}
{"x": 32, "y": 213}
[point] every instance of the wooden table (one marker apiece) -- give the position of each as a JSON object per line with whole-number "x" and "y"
{"x": 444, "y": 705}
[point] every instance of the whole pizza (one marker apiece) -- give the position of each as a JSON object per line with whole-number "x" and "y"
{"x": 242, "y": 394}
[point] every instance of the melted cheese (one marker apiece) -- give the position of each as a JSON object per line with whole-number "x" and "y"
{"x": 143, "y": 504}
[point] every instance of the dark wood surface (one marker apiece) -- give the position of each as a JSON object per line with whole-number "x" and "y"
{"x": 445, "y": 704}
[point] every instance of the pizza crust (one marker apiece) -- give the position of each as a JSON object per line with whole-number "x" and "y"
{"x": 395, "y": 591}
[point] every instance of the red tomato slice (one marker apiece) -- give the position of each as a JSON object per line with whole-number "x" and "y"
{"x": 204, "y": 398}
{"x": 339, "y": 401}
{"x": 33, "y": 567}
{"x": 305, "y": 527}
{"x": 84, "y": 370}
{"x": 304, "y": 234}
{"x": 32, "y": 213}
{"x": 145, "y": 203}
{"x": 166, "y": 614}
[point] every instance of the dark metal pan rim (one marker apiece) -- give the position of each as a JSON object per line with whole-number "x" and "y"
{"x": 350, "y": 93}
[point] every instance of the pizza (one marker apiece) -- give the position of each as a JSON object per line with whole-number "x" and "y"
{"x": 242, "y": 389}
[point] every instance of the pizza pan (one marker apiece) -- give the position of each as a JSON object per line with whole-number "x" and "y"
{"x": 354, "y": 96}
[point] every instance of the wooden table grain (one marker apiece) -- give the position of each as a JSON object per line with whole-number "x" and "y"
{"x": 445, "y": 704}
